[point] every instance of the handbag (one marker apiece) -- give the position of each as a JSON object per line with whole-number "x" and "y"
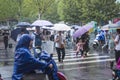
{"x": 61, "y": 45}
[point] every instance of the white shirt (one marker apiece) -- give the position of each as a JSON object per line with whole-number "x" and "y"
{"x": 18, "y": 37}
{"x": 117, "y": 47}
{"x": 57, "y": 44}
{"x": 48, "y": 46}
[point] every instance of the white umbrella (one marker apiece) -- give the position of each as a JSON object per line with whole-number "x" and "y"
{"x": 105, "y": 27}
{"x": 110, "y": 26}
{"x": 114, "y": 26}
{"x": 42, "y": 23}
{"x": 61, "y": 27}
{"x": 44, "y": 27}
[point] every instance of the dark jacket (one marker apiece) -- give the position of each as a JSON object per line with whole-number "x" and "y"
{"x": 24, "y": 62}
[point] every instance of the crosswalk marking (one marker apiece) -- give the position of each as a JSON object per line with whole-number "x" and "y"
{"x": 86, "y": 62}
{"x": 73, "y": 55}
{"x": 71, "y": 62}
{"x": 86, "y": 58}
{"x": 75, "y": 68}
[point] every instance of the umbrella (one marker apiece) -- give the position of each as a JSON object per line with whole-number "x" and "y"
{"x": 79, "y": 32}
{"x": 15, "y": 32}
{"x": 23, "y": 24}
{"x": 118, "y": 23}
{"x": 44, "y": 27}
{"x": 61, "y": 27}
{"x": 83, "y": 30}
{"x": 114, "y": 26}
{"x": 76, "y": 26}
{"x": 105, "y": 27}
{"x": 42, "y": 23}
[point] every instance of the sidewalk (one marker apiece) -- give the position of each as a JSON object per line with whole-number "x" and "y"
{"x": 6, "y": 72}
{"x": 6, "y": 58}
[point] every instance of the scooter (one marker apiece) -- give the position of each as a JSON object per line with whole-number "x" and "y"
{"x": 95, "y": 44}
{"x": 53, "y": 74}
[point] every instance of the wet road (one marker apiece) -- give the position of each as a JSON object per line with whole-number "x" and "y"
{"x": 93, "y": 67}
{"x": 96, "y": 66}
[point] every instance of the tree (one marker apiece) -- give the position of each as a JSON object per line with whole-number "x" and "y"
{"x": 99, "y": 10}
{"x": 70, "y": 10}
{"x": 8, "y": 9}
{"x": 51, "y": 14}
{"x": 42, "y": 6}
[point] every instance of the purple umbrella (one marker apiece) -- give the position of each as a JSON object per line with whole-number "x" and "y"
{"x": 79, "y": 32}
{"x": 82, "y": 30}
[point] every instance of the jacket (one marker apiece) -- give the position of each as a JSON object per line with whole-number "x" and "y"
{"x": 24, "y": 62}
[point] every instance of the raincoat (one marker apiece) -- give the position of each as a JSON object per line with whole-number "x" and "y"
{"x": 24, "y": 62}
{"x": 48, "y": 59}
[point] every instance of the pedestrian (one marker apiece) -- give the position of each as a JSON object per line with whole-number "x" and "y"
{"x": 1, "y": 77}
{"x": 60, "y": 46}
{"x": 111, "y": 44}
{"x": 86, "y": 39}
{"x": 21, "y": 33}
{"x": 24, "y": 62}
{"x": 117, "y": 45}
{"x": 79, "y": 46}
{"x": 37, "y": 40}
{"x": 6, "y": 38}
{"x": 48, "y": 44}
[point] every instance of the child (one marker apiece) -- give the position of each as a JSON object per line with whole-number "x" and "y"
{"x": 1, "y": 77}
{"x": 79, "y": 46}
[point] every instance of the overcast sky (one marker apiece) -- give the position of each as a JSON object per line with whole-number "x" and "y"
{"x": 118, "y": 0}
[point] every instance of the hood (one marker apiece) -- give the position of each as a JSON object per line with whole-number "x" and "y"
{"x": 24, "y": 41}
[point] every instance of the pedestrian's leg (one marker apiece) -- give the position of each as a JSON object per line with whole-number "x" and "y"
{"x": 82, "y": 52}
{"x": 6, "y": 45}
{"x": 63, "y": 53}
{"x": 50, "y": 76}
{"x": 59, "y": 54}
{"x": 117, "y": 55}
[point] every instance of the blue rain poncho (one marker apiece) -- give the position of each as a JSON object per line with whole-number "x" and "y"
{"x": 24, "y": 62}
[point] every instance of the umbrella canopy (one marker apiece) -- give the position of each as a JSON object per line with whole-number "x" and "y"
{"x": 42, "y": 23}
{"x": 61, "y": 27}
{"x": 44, "y": 27}
{"x": 15, "y": 32}
{"x": 105, "y": 27}
{"x": 76, "y": 26}
{"x": 79, "y": 32}
{"x": 83, "y": 30}
{"x": 114, "y": 26}
{"x": 23, "y": 24}
{"x": 118, "y": 23}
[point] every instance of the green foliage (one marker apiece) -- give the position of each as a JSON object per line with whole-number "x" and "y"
{"x": 100, "y": 10}
{"x": 8, "y": 9}
{"x": 71, "y": 11}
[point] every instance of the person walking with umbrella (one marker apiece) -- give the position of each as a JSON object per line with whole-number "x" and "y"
{"x": 59, "y": 44}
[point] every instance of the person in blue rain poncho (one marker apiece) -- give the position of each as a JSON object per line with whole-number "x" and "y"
{"x": 24, "y": 62}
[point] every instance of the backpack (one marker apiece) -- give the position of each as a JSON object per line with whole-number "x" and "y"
{"x": 38, "y": 39}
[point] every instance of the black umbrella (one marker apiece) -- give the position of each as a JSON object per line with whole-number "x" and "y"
{"x": 15, "y": 32}
{"x": 23, "y": 24}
